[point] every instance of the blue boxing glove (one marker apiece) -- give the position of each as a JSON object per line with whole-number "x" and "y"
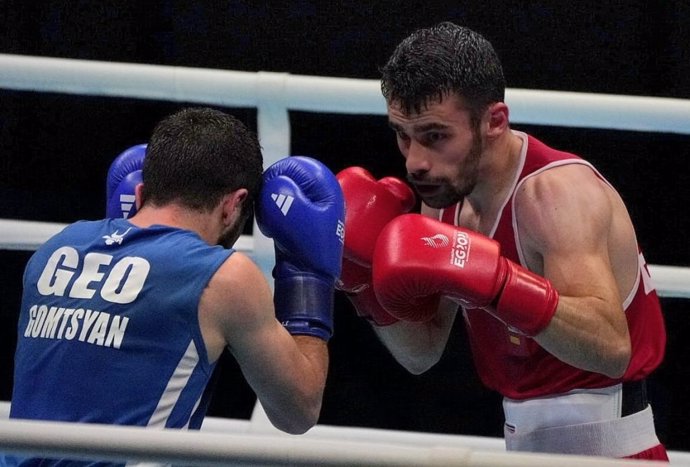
{"x": 124, "y": 175}
{"x": 301, "y": 207}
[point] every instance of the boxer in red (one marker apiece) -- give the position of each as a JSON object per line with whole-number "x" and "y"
{"x": 533, "y": 247}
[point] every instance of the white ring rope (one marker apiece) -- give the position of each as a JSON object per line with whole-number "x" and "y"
{"x": 234, "y": 444}
{"x": 670, "y": 281}
{"x": 29, "y": 235}
{"x": 322, "y": 94}
{"x": 274, "y": 94}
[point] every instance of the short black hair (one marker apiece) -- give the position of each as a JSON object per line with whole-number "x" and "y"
{"x": 197, "y": 155}
{"x": 434, "y": 62}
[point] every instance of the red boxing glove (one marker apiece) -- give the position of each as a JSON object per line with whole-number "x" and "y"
{"x": 417, "y": 260}
{"x": 355, "y": 281}
{"x": 369, "y": 206}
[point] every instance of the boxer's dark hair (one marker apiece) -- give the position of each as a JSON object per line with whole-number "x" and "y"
{"x": 198, "y": 155}
{"x": 445, "y": 59}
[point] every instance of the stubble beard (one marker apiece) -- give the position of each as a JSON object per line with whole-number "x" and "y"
{"x": 228, "y": 237}
{"x": 455, "y": 190}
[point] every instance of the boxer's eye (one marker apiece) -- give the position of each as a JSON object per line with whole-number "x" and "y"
{"x": 433, "y": 137}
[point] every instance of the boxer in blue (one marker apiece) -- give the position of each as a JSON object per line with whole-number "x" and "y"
{"x": 123, "y": 319}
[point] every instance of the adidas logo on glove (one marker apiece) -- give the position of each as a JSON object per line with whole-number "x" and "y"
{"x": 283, "y": 202}
{"x": 126, "y": 204}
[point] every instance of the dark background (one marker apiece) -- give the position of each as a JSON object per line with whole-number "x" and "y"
{"x": 55, "y": 150}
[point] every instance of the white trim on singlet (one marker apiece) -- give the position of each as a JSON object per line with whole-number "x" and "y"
{"x": 561, "y": 163}
{"x": 518, "y": 246}
{"x": 176, "y": 384}
{"x": 515, "y": 183}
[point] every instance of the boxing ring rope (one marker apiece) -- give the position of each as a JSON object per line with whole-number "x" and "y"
{"x": 670, "y": 281}
{"x": 322, "y": 446}
{"x": 274, "y": 95}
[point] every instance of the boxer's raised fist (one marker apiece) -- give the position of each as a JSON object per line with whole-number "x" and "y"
{"x": 369, "y": 205}
{"x": 301, "y": 208}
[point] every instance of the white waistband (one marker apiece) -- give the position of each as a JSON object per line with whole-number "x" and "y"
{"x": 618, "y": 437}
{"x": 572, "y": 408}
